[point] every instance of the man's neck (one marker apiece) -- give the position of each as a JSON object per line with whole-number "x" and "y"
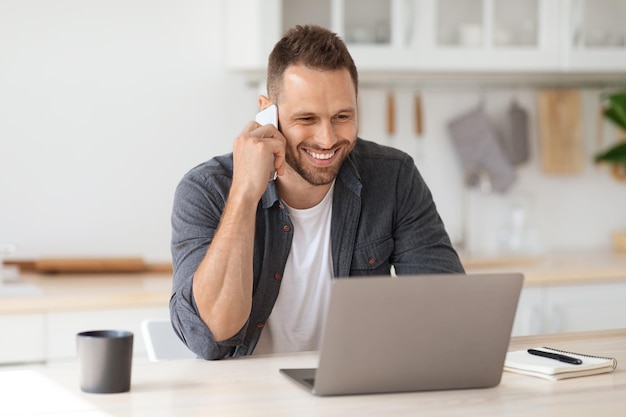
{"x": 298, "y": 193}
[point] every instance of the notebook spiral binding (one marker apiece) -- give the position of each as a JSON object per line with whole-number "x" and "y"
{"x": 582, "y": 355}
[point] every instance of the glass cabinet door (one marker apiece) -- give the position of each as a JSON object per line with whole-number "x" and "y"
{"x": 367, "y": 21}
{"x": 596, "y": 35}
{"x": 367, "y": 26}
{"x": 599, "y": 24}
{"x": 358, "y": 22}
{"x": 488, "y": 23}
{"x": 515, "y": 23}
{"x": 478, "y": 35}
{"x": 460, "y": 23}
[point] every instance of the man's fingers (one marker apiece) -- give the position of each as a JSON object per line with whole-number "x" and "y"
{"x": 279, "y": 160}
{"x": 272, "y": 138}
{"x": 277, "y": 141}
{"x": 267, "y": 131}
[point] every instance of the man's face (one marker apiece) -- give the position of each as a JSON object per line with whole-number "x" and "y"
{"x": 318, "y": 117}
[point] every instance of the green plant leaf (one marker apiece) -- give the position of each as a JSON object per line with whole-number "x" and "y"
{"x": 616, "y": 110}
{"x": 615, "y": 117}
{"x": 615, "y": 154}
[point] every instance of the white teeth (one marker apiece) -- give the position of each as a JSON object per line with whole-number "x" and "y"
{"x": 321, "y": 155}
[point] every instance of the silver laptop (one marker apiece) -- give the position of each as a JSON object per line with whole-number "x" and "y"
{"x": 414, "y": 333}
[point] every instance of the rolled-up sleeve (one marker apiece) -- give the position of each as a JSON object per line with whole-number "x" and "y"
{"x": 192, "y": 330}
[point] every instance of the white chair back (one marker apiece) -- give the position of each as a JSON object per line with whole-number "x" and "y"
{"x": 161, "y": 341}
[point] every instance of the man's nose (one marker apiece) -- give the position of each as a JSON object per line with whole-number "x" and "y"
{"x": 325, "y": 136}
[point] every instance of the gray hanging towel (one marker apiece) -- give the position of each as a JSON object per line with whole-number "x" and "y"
{"x": 517, "y": 144}
{"x": 480, "y": 150}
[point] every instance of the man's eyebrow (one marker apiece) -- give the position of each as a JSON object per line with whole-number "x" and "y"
{"x": 310, "y": 113}
{"x": 347, "y": 110}
{"x": 303, "y": 114}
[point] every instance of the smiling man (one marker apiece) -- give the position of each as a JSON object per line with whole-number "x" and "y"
{"x": 254, "y": 260}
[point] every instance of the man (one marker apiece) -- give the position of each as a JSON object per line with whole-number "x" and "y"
{"x": 340, "y": 206}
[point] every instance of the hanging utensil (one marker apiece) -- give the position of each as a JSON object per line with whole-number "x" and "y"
{"x": 418, "y": 120}
{"x": 391, "y": 114}
{"x": 600, "y": 127}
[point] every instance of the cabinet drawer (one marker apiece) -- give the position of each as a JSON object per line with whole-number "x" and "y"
{"x": 23, "y": 338}
{"x": 578, "y": 308}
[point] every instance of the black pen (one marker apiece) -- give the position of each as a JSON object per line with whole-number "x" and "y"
{"x": 556, "y": 356}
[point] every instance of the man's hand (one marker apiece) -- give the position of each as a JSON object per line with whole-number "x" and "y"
{"x": 257, "y": 152}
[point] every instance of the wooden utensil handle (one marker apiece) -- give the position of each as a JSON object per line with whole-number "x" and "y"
{"x": 391, "y": 114}
{"x": 417, "y": 115}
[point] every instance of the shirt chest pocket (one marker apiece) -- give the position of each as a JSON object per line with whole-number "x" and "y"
{"x": 372, "y": 258}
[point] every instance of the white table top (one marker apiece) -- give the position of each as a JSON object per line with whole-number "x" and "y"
{"x": 252, "y": 386}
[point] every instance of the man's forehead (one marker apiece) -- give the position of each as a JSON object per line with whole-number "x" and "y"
{"x": 302, "y": 84}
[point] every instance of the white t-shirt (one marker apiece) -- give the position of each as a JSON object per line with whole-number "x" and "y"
{"x": 297, "y": 318}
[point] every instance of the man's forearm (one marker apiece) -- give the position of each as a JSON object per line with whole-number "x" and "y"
{"x": 222, "y": 284}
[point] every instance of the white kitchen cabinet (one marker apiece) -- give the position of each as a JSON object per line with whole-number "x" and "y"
{"x": 575, "y": 308}
{"x": 441, "y": 35}
{"x": 487, "y": 35}
{"x": 46, "y": 337}
{"x": 571, "y": 308}
{"x": 530, "y": 311}
{"x": 23, "y": 338}
{"x": 254, "y": 26}
{"x": 594, "y": 35}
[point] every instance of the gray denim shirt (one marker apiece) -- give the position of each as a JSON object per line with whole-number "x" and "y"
{"x": 383, "y": 214}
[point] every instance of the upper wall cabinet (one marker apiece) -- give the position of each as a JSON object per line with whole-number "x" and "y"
{"x": 484, "y": 35}
{"x": 595, "y": 35}
{"x": 442, "y": 35}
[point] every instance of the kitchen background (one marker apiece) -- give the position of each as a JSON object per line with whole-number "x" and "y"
{"x": 104, "y": 105}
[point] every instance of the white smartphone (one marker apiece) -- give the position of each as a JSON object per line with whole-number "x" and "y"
{"x": 268, "y": 116}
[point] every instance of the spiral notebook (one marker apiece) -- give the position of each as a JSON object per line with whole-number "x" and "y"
{"x": 522, "y": 362}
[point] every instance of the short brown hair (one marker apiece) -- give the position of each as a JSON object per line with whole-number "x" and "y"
{"x": 312, "y": 46}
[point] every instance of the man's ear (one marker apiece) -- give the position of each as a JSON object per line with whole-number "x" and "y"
{"x": 264, "y": 102}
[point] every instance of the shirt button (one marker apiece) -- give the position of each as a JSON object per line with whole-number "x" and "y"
{"x": 286, "y": 228}
{"x": 371, "y": 261}
{"x": 260, "y": 325}
{"x": 277, "y": 277}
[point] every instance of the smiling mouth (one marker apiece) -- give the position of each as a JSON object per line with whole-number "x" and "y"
{"x": 321, "y": 156}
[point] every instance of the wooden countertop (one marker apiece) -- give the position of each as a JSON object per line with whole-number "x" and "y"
{"x": 67, "y": 292}
{"x": 252, "y": 386}
{"x": 556, "y": 268}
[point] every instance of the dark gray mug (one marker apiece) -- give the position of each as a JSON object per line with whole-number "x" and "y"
{"x": 104, "y": 360}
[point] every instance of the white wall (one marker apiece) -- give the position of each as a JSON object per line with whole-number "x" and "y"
{"x": 104, "y": 104}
